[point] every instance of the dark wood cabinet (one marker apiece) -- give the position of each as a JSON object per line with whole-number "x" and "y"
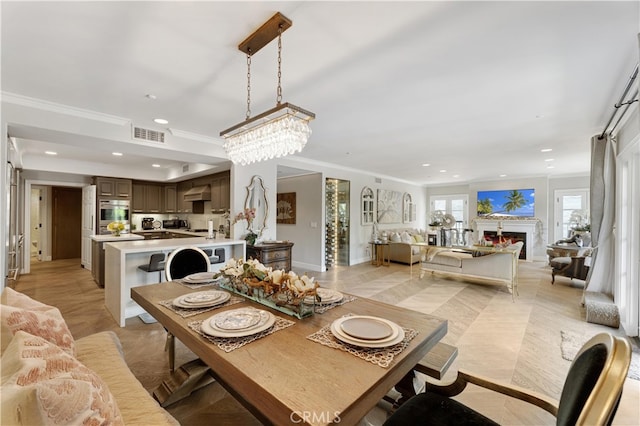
{"x": 170, "y": 199}
{"x": 147, "y": 198}
{"x": 113, "y": 188}
{"x": 274, "y": 255}
{"x": 221, "y": 192}
{"x": 184, "y": 206}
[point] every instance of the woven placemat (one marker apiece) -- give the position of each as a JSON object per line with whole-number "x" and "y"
{"x": 379, "y": 356}
{"x": 321, "y": 309}
{"x": 229, "y": 344}
{"x": 187, "y": 312}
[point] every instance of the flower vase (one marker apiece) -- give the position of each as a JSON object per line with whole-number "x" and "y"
{"x": 116, "y": 233}
{"x": 250, "y": 238}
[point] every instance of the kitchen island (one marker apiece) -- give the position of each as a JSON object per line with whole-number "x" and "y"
{"x": 123, "y": 258}
{"x": 97, "y": 253}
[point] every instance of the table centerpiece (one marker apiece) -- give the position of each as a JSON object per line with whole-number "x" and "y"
{"x": 286, "y": 292}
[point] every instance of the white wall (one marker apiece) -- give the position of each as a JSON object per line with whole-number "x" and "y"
{"x": 307, "y": 233}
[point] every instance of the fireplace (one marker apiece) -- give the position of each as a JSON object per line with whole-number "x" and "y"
{"x": 527, "y": 230}
{"x": 513, "y": 236}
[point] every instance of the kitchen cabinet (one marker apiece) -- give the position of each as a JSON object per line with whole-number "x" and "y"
{"x": 184, "y": 206}
{"x": 170, "y": 199}
{"x": 147, "y": 198}
{"x": 273, "y": 255}
{"x": 221, "y": 192}
{"x": 113, "y": 188}
{"x": 97, "y": 262}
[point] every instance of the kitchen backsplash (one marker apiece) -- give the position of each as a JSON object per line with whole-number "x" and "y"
{"x": 196, "y": 221}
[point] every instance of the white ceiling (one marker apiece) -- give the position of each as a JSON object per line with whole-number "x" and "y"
{"x": 473, "y": 88}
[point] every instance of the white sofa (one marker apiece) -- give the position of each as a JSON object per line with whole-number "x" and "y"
{"x": 500, "y": 265}
{"x": 400, "y": 249}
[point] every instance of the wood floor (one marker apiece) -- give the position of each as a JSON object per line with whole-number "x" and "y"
{"x": 516, "y": 342}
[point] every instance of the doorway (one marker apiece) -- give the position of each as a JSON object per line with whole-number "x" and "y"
{"x": 66, "y": 215}
{"x": 35, "y": 223}
{"x": 338, "y": 214}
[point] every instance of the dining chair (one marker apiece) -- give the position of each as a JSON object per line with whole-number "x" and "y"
{"x": 181, "y": 262}
{"x": 590, "y": 394}
{"x": 185, "y": 261}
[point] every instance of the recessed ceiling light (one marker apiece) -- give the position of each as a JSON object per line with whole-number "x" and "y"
{"x": 51, "y": 153}
{"x": 456, "y": 176}
{"x": 551, "y": 167}
{"x": 539, "y": 116}
{"x": 117, "y": 154}
{"x": 546, "y": 150}
{"x": 426, "y": 165}
{"x": 443, "y": 171}
{"x": 160, "y": 121}
{"x": 155, "y": 165}
{"x": 503, "y": 175}
{"x": 548, "y": 160}
{"x": 150, "y": 96}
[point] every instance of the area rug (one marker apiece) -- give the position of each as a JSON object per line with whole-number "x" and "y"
{"x": 572, "y": 342}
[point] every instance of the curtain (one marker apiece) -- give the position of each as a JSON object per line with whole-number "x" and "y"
{"x": 603, "y": 212}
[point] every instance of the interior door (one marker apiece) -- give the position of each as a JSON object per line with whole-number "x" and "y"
{"x": 66, "y": 223}
{"x": 88, "y": 224}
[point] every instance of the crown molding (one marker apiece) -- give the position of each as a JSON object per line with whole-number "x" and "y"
{"x": 41, "y": 104}
{"x": 194, "y": 136}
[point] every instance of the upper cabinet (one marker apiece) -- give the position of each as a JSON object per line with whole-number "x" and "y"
{"x": 184, "y": 206}
{"x": 114, "y": 188}
{"x": 147, "y": 198}
{"x": 221, "y": 192}
{"x": 170, "y": 198}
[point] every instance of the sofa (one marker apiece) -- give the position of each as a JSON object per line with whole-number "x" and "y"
{"x": 400, "y": 249}
{"x": 498, "y": 265}
{"x": 50, "y": 378}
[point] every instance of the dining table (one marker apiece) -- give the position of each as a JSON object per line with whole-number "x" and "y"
{"x": 286, "y": 377}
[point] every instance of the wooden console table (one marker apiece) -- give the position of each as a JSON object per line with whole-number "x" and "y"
{"x": 274, "y": 255}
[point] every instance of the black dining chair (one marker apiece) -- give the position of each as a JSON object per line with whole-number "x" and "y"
{"x": 185, "y": 261}
{"x": 590, "y": 394}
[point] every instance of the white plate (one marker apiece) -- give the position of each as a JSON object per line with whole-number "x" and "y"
{"x": 220, "y": 297}
{"x": 394, "y": 339}
{"x": 327, "y": 295}
{"x": 199, "y": 277}
{"x": 236, "y": 319}
{"x": 266, "y": 321}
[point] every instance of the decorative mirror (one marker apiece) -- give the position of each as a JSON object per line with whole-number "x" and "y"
{"x": 257, "y": 199}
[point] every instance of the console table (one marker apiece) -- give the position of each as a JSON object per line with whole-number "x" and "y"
{"x": 274, "y": 255}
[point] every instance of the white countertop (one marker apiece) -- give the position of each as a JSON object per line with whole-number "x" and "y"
{"x": 122, "y": 237}
{"x": 175, "y": 230}
{"x": 141, "y": 246}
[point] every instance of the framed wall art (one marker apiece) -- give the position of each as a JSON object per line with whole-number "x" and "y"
{"x": 286, "y": 208}
{"x": 389, "y": 206}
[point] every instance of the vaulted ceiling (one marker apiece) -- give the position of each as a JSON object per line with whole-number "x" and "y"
{"x": 474, "y": 89}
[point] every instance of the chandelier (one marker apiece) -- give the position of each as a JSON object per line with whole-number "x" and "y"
{"x": 280, "y": 131}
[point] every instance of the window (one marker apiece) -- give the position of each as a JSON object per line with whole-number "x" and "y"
{"x": 571, "y": 206}
{"x": 367, "y": 203}
{"x": 408, "y": 208}
{"x": 455, "y": 205}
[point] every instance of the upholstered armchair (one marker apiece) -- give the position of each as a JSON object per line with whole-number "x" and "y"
{"x": 590, "y": 394}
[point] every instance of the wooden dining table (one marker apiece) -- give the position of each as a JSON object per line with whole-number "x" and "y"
{"x": 285, "y": 378}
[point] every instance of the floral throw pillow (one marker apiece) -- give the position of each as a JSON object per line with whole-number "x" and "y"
{"x": 44, "y": 385}
{"x": 20, "y": 312}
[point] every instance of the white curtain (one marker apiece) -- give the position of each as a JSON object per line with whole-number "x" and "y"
{"x": 603, "y": 212}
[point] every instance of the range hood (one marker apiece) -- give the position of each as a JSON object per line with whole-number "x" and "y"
{"x": 198, "y": 193}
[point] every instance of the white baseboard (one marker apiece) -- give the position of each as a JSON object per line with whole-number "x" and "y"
{"x": 306, "y": 266}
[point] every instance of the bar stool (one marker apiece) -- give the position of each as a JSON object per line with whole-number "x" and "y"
{"x": 156, "y": 264}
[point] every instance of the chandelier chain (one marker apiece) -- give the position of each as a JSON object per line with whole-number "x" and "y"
{"x": 279, "y": 90}
{"x": 248, "y": 85}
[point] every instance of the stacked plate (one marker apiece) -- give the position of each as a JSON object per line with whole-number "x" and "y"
{"x": 367, "y": 331}
{"x": 238, "y": 323}
{"x": 327, "y": 296}
{"x": 201, "y": 299}
{"x": 199, "y": 278}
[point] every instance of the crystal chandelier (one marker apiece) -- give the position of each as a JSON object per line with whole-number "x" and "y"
{"x": 280, "y": 131}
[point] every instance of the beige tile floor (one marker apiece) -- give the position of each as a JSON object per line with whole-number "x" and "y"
{"x": 516, "y": 342}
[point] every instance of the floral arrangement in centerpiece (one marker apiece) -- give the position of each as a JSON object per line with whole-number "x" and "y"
{"x": 248, "y": 214}
{"x": 116, "y": 228}
{"x": 287, "y": 292}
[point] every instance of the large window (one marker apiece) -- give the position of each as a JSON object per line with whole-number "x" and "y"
{"x": 571, "y": 207}
{"x": 456, "y": 205}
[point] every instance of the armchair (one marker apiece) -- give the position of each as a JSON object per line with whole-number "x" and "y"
{"x": 590, "y": 394}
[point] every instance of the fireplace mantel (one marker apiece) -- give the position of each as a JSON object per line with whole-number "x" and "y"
{"x": 530, "y": 226}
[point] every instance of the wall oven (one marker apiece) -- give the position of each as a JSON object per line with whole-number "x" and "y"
{"x": 113, "y": 211}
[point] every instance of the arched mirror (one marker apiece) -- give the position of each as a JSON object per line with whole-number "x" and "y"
{"x": 257, "y": 199}
{"x": 367, "y": 205}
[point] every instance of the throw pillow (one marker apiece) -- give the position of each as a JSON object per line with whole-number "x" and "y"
{"x": 24, "y": 313}
{"x": 418, "y": 238}
{"x": 394, "y": 237}
{"x": 44, "y": 385}
{"x": 406, "y": 238}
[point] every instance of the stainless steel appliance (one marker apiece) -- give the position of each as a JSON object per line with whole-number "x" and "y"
{"x": 175, "y": 224}
{"x": 113, "y": 211}
{"x": 147, "y": 223}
